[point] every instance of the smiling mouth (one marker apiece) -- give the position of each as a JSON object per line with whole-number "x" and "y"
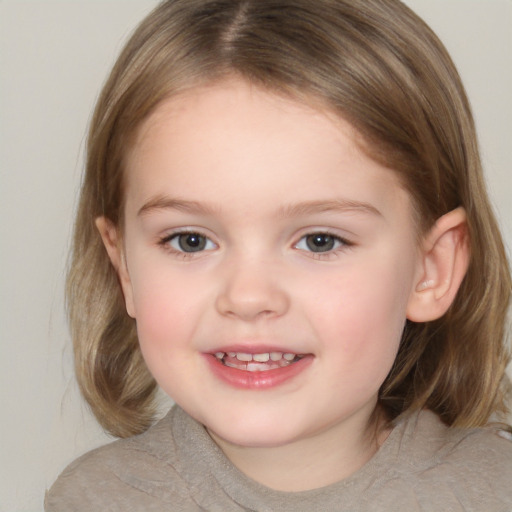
{"x": 257, "y": 362}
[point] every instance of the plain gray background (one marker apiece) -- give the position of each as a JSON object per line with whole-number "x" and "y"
{"x": 54, "y": 56}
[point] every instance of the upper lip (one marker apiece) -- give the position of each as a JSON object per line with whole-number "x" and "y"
{"x": 255, "y": 349}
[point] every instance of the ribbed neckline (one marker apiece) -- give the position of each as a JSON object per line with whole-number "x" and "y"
{"x": 193, "y": 444}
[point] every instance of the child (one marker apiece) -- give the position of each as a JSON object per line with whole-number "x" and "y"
{"x": 284, "y": 224}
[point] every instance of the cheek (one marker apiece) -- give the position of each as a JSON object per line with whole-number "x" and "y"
{"x": 163, "y": 308}
{"x": 361, "y": 315}
{"x": 166, "y": 324}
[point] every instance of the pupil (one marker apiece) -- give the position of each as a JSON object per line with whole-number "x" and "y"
{"x": 192, "y": 242}
{"x": 320, "y": 242}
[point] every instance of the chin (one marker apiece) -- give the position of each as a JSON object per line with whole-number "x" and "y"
{"x": 254, "y": 439}
{"x": 255, "y": 432}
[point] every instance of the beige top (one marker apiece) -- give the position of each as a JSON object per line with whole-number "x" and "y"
{"x": 175, "y": 466}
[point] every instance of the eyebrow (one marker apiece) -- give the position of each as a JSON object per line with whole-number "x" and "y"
{"x": 170, "y": 203}
{"x": 293, "y": 210}
{"x": 328, "y": 206}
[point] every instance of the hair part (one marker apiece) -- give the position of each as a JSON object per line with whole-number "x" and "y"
{"x": 372, "y": 62}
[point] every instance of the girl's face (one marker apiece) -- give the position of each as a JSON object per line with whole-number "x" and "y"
{"x": 268, "y": 263}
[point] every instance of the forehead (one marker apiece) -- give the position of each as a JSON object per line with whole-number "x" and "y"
{"x": 235, "y": 144}
{"x": 235, "y": 104}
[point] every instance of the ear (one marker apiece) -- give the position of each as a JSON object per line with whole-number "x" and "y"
{"x": 444, "y": 261}
{"x": 113, "y": 244}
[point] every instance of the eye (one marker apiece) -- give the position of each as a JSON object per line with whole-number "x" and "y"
{"x": 320, "y": 242}
{"x": 189, "y": 242}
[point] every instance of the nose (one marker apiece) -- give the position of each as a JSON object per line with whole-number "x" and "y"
{"x": 252, "y": 290}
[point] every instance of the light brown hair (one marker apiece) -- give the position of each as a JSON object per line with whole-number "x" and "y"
{"x": 379, "y": 66}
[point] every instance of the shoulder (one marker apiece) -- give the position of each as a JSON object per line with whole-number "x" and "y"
{"x": 482, "y": 458}
{"x": 488, "y": 448}
{"x": 128, "y": 474}
{"x": 469, "y": 467}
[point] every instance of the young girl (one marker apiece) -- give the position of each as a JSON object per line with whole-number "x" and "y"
{"x": 284, "y": 224}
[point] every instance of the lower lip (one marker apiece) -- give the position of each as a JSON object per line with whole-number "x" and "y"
{"x": 243, "y": 379}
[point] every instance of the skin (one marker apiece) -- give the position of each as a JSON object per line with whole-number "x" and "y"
{"x": 254, "y": 174}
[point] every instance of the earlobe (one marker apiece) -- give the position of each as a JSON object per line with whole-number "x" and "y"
{"x": 112, "y": 242}
{"x": 444, "y": 261}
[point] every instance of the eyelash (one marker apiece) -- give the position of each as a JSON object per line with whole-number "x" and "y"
{"x": 339, "y": 244}
{"x": 166, "y": 243}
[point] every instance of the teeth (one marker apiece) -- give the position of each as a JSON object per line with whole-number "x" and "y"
{"x": 261, "y": 358}
{"x": 256, "y": 367}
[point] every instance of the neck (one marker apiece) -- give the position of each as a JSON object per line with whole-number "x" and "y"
{"x": 312, "y": 462}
